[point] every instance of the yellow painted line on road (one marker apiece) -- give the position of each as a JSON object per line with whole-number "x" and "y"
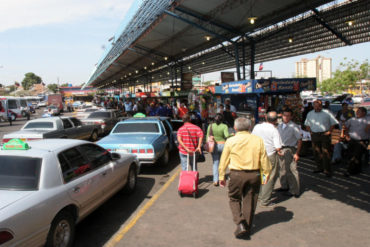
{"x": 119, "y": 235}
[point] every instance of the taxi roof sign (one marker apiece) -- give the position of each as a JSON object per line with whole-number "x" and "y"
{"x": 16, "y": 144}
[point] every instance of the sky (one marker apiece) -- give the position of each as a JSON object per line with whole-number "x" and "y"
{"x": 61, "y": 41}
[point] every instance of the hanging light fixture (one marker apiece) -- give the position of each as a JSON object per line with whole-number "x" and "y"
{"x": 252, "y": 20}
{"x": 189, "y": 68}
{"x": 153, "y": 63}
{"x": 290, "y": 40}
{"x": 203, "y": 63}
{"x": 165, "y": 58}
{"x": 350, "y": 22}
{"x": 207, "y": 37}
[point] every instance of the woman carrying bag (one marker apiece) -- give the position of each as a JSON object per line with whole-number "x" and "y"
{"x": 219, "y": 131}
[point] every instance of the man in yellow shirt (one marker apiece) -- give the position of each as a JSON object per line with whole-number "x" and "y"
{"x": 246, "y": 157}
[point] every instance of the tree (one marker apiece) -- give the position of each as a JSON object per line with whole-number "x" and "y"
{"x": 30, "y": 79}
{"x": 64, "y": 85}
{"x": 53, "y": 87}
{"x": 12, "y": 88}
{"x": 348, "y": 74}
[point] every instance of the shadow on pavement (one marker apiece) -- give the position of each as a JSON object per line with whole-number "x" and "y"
{"x": 158, "y": 169}
{"x": 101, "y": 225}
{"x": 268, "y": 218}
{"x": 353, "y": 191}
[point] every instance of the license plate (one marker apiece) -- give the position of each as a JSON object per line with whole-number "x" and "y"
{"x": 122, "y": 151}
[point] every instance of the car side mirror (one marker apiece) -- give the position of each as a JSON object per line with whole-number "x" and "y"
{"x": 115, "y": 156}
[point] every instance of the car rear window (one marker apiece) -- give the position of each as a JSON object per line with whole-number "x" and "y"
{"x": 136, "y": 127}
{"x": 19, "y": 173}
{"x": 90, "y": 110}
{"x": 99, "y": 115}
{"x": 39, "y": 125}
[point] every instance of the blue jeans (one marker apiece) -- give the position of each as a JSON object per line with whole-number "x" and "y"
{"x": 216, "y": 155}
{"x": 184, "y": 162}
{"x": 338, "y": 150}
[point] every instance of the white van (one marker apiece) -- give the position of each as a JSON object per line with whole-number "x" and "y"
{"x": 17, "y": 106}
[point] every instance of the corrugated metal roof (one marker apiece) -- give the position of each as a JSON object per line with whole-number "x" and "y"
{"x": 166, "y": 37}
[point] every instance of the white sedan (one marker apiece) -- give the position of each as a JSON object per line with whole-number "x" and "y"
{"x": 48, "y": 186}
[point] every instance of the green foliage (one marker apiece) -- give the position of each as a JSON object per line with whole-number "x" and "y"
{"x": 53, "y": 87}
{"x": 30, "y": 79}
{"x": 346, "y": 76}
{"x": 64, "y": 85}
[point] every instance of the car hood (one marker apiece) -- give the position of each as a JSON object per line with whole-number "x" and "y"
{"x": 132, "y": 138}
{"x": 9, "y": 197}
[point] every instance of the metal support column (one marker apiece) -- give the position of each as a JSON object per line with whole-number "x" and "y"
{"x": 253, "y": 51}
{"x": 237, "y": 61}
{"x": 243, "y": 52}
{"x": 171, "y": 73}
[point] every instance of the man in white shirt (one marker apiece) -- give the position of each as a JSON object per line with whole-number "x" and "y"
{"x": 358, "y": 129}
{"x": 271, "y": 138}
{"x": 291, "y": 138}
{"x": 232, "y": 108}
{"x": 320, "y": 123}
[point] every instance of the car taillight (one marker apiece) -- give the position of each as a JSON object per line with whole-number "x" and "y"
{"x": 134, "y": 151}
{"x": 5, "y": 236}
{"x": 6, "y": 140}
{"x": 149, "y": 151}
{"x": 109, "y": 150}
{"x": 142, "y": 151}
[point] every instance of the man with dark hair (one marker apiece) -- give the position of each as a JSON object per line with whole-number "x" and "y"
{"x": 344, "y": 114}
{"x": 321, "y": 123}
{"x": 292, "y": 142}
{"x": 358, "y": 129}
{"x": 190, "y": 139}
{"x": 271, "y": 137}
{"x": 245, "y": 155}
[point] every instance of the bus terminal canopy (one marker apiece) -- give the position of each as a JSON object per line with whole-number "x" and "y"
{"x": 166, "y": 38}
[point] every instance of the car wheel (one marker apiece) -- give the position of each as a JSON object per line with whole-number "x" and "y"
{"x": 13, "y": 117}
{"x": 131, "y": 181}
{"x": 94, "y": 136}
{"x": 180, "y": 194}
{"x": 62, "y": 231}
{"x": 165, "y": 157}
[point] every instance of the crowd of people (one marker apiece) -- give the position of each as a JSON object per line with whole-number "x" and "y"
{"x": 259, "y": 156}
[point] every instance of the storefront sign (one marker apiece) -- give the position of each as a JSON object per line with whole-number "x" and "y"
{"x": 186, "y": 81}
{"x": 227, "y": 76}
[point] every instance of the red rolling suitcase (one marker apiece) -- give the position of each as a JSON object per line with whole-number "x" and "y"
{"x": 188, "y": 182}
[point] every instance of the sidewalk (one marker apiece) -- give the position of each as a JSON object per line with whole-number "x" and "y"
{"x": 330, "y": 212}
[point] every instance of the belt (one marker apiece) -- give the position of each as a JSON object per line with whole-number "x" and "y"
{"x": 245, "y": 170}
{"x": 319, "y": 133}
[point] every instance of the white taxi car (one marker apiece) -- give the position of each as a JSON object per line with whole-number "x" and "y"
{"x": 48, "y": 186}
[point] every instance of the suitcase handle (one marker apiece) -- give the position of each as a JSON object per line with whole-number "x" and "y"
{"x": 193, "y": 161}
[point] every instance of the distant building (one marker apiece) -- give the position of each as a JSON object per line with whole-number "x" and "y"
{"x": 319, "y": 67}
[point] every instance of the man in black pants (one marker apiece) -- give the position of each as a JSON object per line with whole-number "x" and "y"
{"x": 358, "y": 129}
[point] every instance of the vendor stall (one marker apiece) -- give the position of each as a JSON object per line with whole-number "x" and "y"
{"x": 253, "y": 98}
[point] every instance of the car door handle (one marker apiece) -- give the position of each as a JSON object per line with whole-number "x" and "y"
{"x": 76, "y": 189}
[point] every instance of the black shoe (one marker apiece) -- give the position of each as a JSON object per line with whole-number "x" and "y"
{"x": 241, "y": 230}
{"x": 317, "y": 171}
{"x": 290, "y": 194}
{"x": 282, "y": 189}
{"x": 328, "y": 174}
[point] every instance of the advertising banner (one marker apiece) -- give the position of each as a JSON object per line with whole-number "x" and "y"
{"x": 237, "y": 87}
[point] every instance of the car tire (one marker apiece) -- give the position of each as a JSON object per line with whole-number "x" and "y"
{"x": 62, "y": 230}
{"x": 94, "y": 136}
{"x": 165, "y": 157}
{"x": 131, "y": 181}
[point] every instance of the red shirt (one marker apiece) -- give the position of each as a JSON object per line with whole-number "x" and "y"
{"x": 190, "y": 141}
{"x": 182, "y": 111}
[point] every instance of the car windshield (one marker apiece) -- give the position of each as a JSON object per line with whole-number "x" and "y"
{"x": 90, "y": 110}
{"x": 99, "y": 115}
{"x": 19, "y": 173}
{"x": 136, "y": 127}
{"x": 39, "y": 125}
